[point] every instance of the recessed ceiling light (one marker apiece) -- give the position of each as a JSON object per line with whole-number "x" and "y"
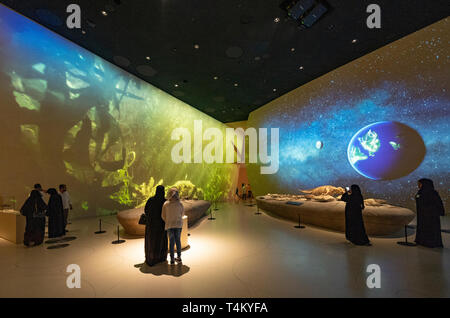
{"x": 274, "y": 89}
{"x": 292, "y": 49}
{"x": 300, "y": 68}
{"x": 236, "y": 84}
{"x": 121, "y": 61}
{"x": 146, "y": 70}
{"x": 104, "y": 13}
{"x": 178, "y": 93}
{"x": 234, "y": 52}
{"x": 216, "y": 78}
{"x": 276, "y": 20}
{"x": 147, "y": 58}
{"x": 196, "y": 46}
{"x": 176, "y": 85}
{"x": 354, "y": 40}
{"x": 82, "y": 31}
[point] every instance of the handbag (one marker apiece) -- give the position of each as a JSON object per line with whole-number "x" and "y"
{"x": 143, "y": 219}
{"x": 38, "y": 213}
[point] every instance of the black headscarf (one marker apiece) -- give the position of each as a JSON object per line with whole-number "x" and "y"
{"x": 428, "y": 196}
{"x": 55, "y": 202}
{"x": 356, "y": 196}
{"x": 154, "y": 205}
{"x": 34, "y": 204}
{"x": 356, "y": 191}
{"x": 427, "y": 186}
{"x": 159, "y": 194}
{"x": 52, "y": 191}
{"x": 35, "y": 195}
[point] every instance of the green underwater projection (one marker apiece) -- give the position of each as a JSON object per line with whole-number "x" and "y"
{"x": 70, "y": 117}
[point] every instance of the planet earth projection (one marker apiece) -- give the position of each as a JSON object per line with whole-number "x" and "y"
{"x": 386, "y": 150}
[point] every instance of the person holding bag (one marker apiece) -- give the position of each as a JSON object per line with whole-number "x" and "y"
{"x": 155, "y": 233}
{"x": 34, "y": 210}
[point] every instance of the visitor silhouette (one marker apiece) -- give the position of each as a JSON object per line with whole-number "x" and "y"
{"x": 429, "y": 208}
{"x": 355, "y": 231}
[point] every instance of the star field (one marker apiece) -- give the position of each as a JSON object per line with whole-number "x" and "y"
{"x": 405, "y": 82}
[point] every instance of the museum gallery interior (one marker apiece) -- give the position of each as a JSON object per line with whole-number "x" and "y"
{"x": 278, "y": 148}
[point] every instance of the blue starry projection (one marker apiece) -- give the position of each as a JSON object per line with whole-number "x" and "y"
{"x": 381, "y": 121}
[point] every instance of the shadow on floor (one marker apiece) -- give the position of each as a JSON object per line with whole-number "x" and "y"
{"x": 410, "y": 231}
{"x": 127, "y": 236}
{"x": 197, "y": 222}
{"x": 164, "y": 268}
{"x": 57, "y": 246}
{"x": 60, "y": 240}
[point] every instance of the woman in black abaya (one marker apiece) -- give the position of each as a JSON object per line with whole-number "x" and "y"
{"x": 429, "y": 209}
{"x": 34, "y": 210}
{"x": 155, "y": 234}
{"x": 355, "y": 231}
{"x": 55, "y": 214}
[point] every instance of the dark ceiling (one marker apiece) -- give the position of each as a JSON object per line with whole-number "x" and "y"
{"x": 229, "y": 57}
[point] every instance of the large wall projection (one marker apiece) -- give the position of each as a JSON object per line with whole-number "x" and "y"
{"x": 381, "y": 121}
{"x": 67, "y": 116}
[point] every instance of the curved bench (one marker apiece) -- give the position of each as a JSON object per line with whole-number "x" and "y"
{"x": 378, "y": 220}
{"x": 193, "y": 209}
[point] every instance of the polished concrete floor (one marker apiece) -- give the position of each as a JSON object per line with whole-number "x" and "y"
{"x": 239, "y": 254}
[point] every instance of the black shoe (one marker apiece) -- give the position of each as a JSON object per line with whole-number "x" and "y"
{"x": 178, "y": 259}
{"x": 172, "y": 262}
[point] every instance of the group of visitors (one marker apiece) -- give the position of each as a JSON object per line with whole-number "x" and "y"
{"x": 36, "y": 210}
{"x": 163, "y": 217}
{"x": 246, "y": 192}
{"x": 429, "y": 208}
